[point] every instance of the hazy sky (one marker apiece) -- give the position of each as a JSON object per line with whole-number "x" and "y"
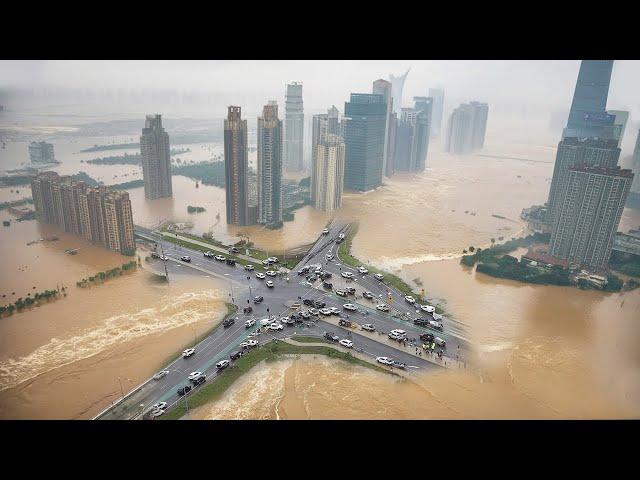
{"x": 547, "y": 83}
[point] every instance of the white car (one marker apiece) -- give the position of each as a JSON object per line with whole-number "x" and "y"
{"x": 363, "y": 270}
{"x": 341, "y": 293}
{"x": 275, "y": 326}
{"x": 382, "y": 307}
{"x": 193, "y": 375}
{"x": 164, "y": 258}
{"x": 273, "y": 259}
{"x": 410, "y": 299}
{"x": 346, "y": 343}
{"x": 220, "y": 258}
{"x": 269, "y": 284}
{"x": 209, "y": 254}
{"x": 436, "y": 325}
{"x": 379, "y": 276}
{"x": 159, "y": 406}
{"x": 399, "y": 331}
{"x": 384, "y": 360}
{"x": 249, "y": 323}
{"x": 185, "y": 258}
{"x": 350, "y": 306}
{"x": 266, "y": 262}
{"x": 266, "y": 322}
{"x": 436, "y": 316}
{"x": 427, "y": 308}
{"x": 157, "y": 413}
{"x": 395, "y": 336}
{"x": 248, "y": 267}
{"x": 222, "y": 364}
{"x": 325, "y": 231}
{"x": 188, "y": 352}
{"x": 161, "y": 374}
{"x": 271, "y": 273}
{"x": 261, "y": 276}
{"x": 329, "y": 256}
{"x": 341, "y": 236}
{"x": 249, "y": 344}
{"x": 325, "y": 311}
{"x": 347, "y": 274}
{"x": 440, "y": 342}
{"x": 369, "y": 327}
{"x": 334, "y": 310}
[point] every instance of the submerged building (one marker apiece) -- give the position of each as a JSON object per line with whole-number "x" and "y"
{"x": 270, "y": 166}
{"x": 236, "y": 167}
{"x": 293, "y": 128}
{"x": 41, "y": 152}
{"x": 156, "y": 159}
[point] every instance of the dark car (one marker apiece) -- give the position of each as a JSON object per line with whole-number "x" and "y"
{"x": 303, "y": 271}
{"x": 297, "y": 318}
{"x": 368, "y": 295}
{"x": 319, "y": 304}
{"x": 344, "y": 323}
{"x": 228, "y": 322}
{"x": 236, "y": 355}
{"x": 427, "y": 337}
{"x": 351, "y": 290}
{"x": 230, "y": 261}
{"x": 422, "y": 322}
{"x": 248, "y": 309}
{"x": 308, "y": 301}
{"x": 325, "y": 275}
{"x": 199, "y": 380}
{"x": 331, "y": 336}
{"x": 183, "y": 390}
{"x": 258, "y": 299}
{"x": 312, "y": 278}
{"x": 328, "y": 285}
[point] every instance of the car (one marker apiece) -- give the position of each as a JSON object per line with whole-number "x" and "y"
{"x": 188, "y": 352}
{"x": 258, "y": 299}
{"x": 271, "y": 273}
{"x": 382, "y": 307}
{"x": 234, "y": 250}
{"x": 184, "y": 390}
{"x": 362, "y": 311}
{"x": 325, "y": 231}
{"x": 440, "y": 342}
{"x": 399, "y": 331}
{"x": 265, "y": 322}
{"x": 220, "y": 258}
{"x": 319, "y": 304}
{"x": 248, "y": 344}
{"x": 304, "y": 270}
{"x": 247, "y": 309}
{"x": 199, "y": 380}
{"x": 236, "y": 355}
{"x": 307, "y": 301}
{"x": 327, "y": 285}
{"x": 347, "y": 275}
{"x": 159, "y": 406}
{"x": 275, "y": 326}
{"x": 379, "y": 276}
{"x": 338, "y": 240}
{"x": 305, "y": 315}
{"x": 209, "y": 254}
{"x": 329, "y": 256}
{"x": 249, "y": 323}
{"x": 427, "y": 308}
{"x": 399, "y": 364}
{"x": 344, "y": 323}
{"x": 436, "y": 316}
{"x": 161, "y": 374}
{"x": 384, "y": 360}
{"x": 231, "y": 261}
{"x": 155, "y": 254}
{"x": 156, "y": 413}
{"x": 325, "y": 311}
{"x": 346, "y": 343}
{"x": 228, "y": 322}
{"x": 273, "y": 259}
{"x": 341, "y": 293}
{"x": 185, "y": 258}
{"x": 288, "y": 321}
{"x": 260, "y": 275}
{"x": 395, "y": 336}
{"x": 248, "y": 267}
{"x": 193, "y": 375}
{"x": 369, "y": 327}
{"x": 269, "y": 284}
{"x": 314, "y": 311}
{"x": 164, "y": 258}
{"x": 363, "y": 270}
{"x": 409, "y": 299}
{"x": 325, "y": 275}
{"x": 331, "y": 336}
{"x": 222, "y": 364}
{"x": 436, "y": 325}
{"x": 350, "y": 290}
{"x": 311, "y": 278}
{"x": 367, "y": 295}
{"x": 427, "y": 337}
{"x": 334, "y": 310}
{"x": 421, "y": 322}
{"x": 350, "y": 306}
{"x": 266, "y": 262}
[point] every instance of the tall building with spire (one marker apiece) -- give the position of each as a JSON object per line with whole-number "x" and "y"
{"x": 293, "y": 128}
{"x": 156, "y": 159}
{"x": 437, "y": 94}
{"x": 270, "y": 166}
{"x": 236, "y": 167}
{"x": 397, "y": 85}
{"x": 382, "y": 87}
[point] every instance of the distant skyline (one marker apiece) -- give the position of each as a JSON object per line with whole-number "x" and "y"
{"x": 250, "y": 83}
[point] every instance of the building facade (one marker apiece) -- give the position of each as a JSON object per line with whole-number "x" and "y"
{"x": 635, "y": 165}
{"x": 270, "y": 166}
{"x": 41, "y": 152}
{"x": 479, "y": 130}
{"x": 364, "y": 125}
{"x": 328, "y": 173}
{"x": 294, "y": 128}
{"x": 619, "y": 124}
{"x": 101, "y": 216}
{"x": 467, "y": 128}
{"x": 397, "y": 85}
{"x": 585, "y": 227}
{"x": 382, "y": 87}
{"x": 156, "y": 159}
{"x": 437, "y": 94}
{"x": 236, "y": 167}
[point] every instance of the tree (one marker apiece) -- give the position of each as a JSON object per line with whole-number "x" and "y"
{"x": 472, "y": 249}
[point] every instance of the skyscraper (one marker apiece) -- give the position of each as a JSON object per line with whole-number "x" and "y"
{"x": 397, "y": 85}
{"x": 589, "y": 214}
{"x": 270, "y": 166}
{"x": 294, "y": 128}
{"x": 236, "y": 167}
{"x": 364, "y": 123}
{"x": 467, "y": 127}
{"x": 619, "y": 124}
{"x": 41, "y": 152}
{"x": 328, "y": 173}
{"x": 588, "y": 116}
{"x": 382, "y": 87}
{"x": 438, "y": 107}
{"x": 480, "y": 114}
{"x": 412, "y": 136}
{"x": 635, "y": 166}
{"x": 574, "y": 151}
{"x": 156, "y": 159}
